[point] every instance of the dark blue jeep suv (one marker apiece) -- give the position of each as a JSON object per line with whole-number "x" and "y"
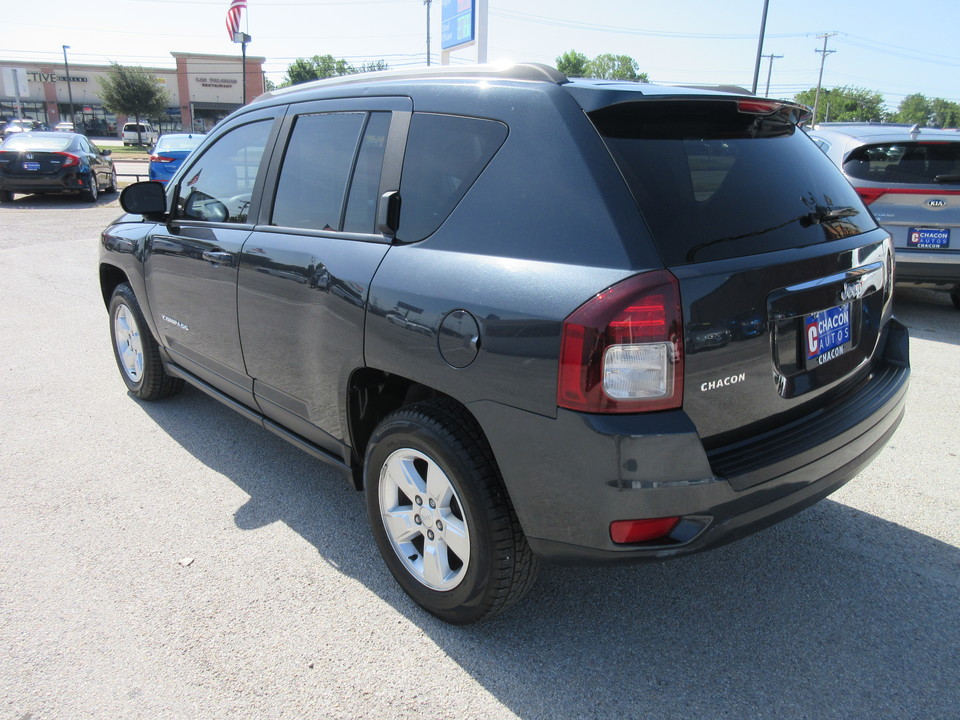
{"x": 530, "y": 317}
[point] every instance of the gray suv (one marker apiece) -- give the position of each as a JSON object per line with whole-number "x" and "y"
{"x": 531, "y": 318}
{"x": 910, "y": 179}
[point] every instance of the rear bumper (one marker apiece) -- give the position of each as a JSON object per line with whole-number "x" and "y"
{"x": 59, "y": 183}
{"x": 571, "y": 476}
{"x": 928, "y": 268}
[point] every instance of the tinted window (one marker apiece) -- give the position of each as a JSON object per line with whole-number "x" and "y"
{"x": 219, "y": 184}
{"x": 445, "y": 155}
{"x": 907, "y": 162}
{"x": 715, "y": 183}
{"x": 364, "y": 187}
{"x": 316, "y": 166}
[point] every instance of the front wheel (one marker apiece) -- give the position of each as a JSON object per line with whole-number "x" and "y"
{"x": 136, "y": 351}
{"x": 6, "y": 196}
{"x": 955, "y": 296}
{"x": 441, "y": 517}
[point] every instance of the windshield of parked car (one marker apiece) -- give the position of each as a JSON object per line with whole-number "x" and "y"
{"x": 714, "y": 181}
{"x": 906, "y": 162}
{"x": 35, "y": 141}
{"x": 179, "y": 142}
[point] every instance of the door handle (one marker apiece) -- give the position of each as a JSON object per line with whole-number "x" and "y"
{"x": 218, "y": 257}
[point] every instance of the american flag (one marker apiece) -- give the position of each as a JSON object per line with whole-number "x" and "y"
{"x": 233, "y": 16}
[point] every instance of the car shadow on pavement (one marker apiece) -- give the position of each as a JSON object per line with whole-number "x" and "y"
{"x": 55, "y": 201}
{"x": 833, "y": 613}
{"x": 929, "y": 314}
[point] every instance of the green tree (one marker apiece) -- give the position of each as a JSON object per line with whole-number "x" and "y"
{"x": 944, "y": 113}
{"x": 914, "y": 110}
{"x": 318, "y": 67}
{"x": 573, "y": 64}
{"x": 132, "y": 91}
{"x": 616, "y": 67}
{"x": 845, "y": 104}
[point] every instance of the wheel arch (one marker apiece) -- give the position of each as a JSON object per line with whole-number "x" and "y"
{"x": 373, "y": 395}
{"x": 110, "y": 277}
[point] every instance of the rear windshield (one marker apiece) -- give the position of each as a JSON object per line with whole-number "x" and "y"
{"x": 714, "y": 183}
{"x": 906, "y": 162}
{"x": 32, "y": 141}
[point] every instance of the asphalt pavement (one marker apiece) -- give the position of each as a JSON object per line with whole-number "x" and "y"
{"x": 173, "y": 560}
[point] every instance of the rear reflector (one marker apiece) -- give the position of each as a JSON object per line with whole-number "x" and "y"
{"x": 624, "y": 532}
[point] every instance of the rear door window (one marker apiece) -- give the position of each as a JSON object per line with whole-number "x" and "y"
{"x": 445, "y": 155}
{"x": 714, "y": 183}
{"x": 906, "y": 162}
{"x": 330, "y": 175}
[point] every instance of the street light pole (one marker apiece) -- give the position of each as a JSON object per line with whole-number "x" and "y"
{"x": 763, "y": 27}
{"x": 427, "y": 3}
{"x": 66, "y": 67}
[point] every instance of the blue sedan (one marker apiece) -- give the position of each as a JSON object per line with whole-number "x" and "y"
{"x": 169, "y": 153}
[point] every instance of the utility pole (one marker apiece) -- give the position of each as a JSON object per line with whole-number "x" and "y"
{"x": 770, "y": 71}
{"x": 427, "y": 3}
{"x": 66, "y": 69}
{"x": 823, "y": 56}
{"x": 763, "y": 27}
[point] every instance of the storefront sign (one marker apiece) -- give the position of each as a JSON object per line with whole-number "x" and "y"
{"x": 43, "y": 77}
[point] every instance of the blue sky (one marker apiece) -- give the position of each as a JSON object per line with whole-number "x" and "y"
{"x": 891, "y": 47}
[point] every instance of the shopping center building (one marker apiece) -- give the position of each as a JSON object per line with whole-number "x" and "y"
{"x": 201, "y": 90}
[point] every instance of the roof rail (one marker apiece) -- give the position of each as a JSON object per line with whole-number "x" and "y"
{"x": 534, "y": 72}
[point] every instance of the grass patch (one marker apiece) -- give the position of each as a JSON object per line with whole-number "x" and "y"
{"x": 130, "y": 152}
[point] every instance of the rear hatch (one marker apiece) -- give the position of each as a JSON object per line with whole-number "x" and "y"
{"x": 784, "y": 275}
{"x": 913, "y": 189}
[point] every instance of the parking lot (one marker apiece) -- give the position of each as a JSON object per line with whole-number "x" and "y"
{"x": 172, "y": 560}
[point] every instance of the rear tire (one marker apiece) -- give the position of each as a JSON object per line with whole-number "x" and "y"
{"x": 112, "y": 187}
{"x": 136, "y": 351}
{"x": 92, "y": 191}
{"x": 6, "y": 196}
{"x": 955, "y": 296}
{"x": 441, "y": 517}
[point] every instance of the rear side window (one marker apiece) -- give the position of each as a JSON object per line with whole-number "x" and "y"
{"x": 713, "y": 182}
{"x": 906, "y": 162}
{"x": 445, "y": 155}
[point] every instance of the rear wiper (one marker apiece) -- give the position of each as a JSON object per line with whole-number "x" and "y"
{"x": 827, "y": 215}
{"x": 815, "y": 217}
{"x": 947, "y": 178}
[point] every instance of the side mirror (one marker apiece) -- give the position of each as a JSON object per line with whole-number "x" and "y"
{"x": 106, "y": 152}
{"x": 145, "y": 198}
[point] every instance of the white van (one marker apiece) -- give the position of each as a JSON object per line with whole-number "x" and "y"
{"x": 148, "y": 133}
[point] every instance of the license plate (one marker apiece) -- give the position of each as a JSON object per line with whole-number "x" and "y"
{"x": 928, "y": 238}
{"x": 31, "y": 166}
{"x": 826, "y": 335}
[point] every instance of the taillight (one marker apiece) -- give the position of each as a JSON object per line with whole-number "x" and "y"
{"x": 161, "y": 159}
{"x": 70, "y": 161}
{"x": 622, "y": 350}
{"x": 869, "y": 195}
